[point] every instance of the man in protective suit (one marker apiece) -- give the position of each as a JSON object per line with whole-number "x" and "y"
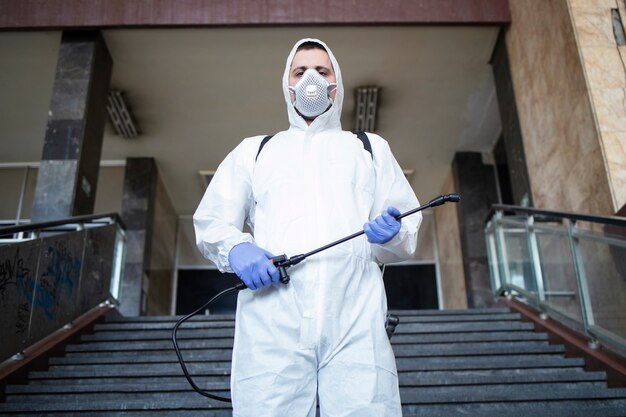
{"x": 322, "y": 335}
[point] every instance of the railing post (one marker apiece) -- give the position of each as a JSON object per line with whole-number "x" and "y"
{"x": 492, "y": 257}
{"x": 581, "y": 278}
{"x": 119, "y": 255}
{"x": 535, "y": 259}
{"x": 502, "y": 258}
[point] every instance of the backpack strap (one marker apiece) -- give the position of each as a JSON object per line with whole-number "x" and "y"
{"x": 366, "y": 141}
{"x": 263, "y": 142}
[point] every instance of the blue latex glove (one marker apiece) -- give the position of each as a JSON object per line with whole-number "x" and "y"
{"x": 384, "y": 227}
{"x": 252, "y": 265}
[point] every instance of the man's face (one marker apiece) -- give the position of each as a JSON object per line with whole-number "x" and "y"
{"x": 316, "y": 59}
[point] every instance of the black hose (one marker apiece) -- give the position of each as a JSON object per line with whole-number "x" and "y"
{"x": 282, "y": 262}
{"x": 175, "y": 342}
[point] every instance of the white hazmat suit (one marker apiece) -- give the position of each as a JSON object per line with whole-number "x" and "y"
{"x": 323, "y": 333}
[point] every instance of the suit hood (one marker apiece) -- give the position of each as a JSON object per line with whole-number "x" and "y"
{"x": 329, "y": 120}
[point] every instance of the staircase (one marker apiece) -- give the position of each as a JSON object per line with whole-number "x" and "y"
{"x": 480, "y": 363}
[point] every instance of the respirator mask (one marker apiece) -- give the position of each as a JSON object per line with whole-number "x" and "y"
{"x": 312, "y": 94}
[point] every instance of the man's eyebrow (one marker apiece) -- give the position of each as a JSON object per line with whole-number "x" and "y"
{"x": 317, "y": 68}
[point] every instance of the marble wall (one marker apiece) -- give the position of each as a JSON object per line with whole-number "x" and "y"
{"x": 138, "y": 202}
{"x": 151, "y": 222}
{"x": 605, "y": 69}
{"x": 475, "y": 183}
{"x": 450, "y": 255}
{"x": 564, "y": 152}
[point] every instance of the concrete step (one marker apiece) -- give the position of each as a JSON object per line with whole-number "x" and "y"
{"x": 231, "y": 317}
{"x": 456, "y": 318}
{"x": 199, "y": 341}
{"x": 147, "y": 361}
{"x": 140, "y": 370}
{"x": 135, "y": 413}
{"x": 159, "y": 356}
{"x": 223, "y": 367}
{"x": 117, "y": 380}
{"x": 139, "y": 346}
{"x": 179, "y": 394}
{"x": 455, "y": 363}
{"x": 409, "y": 395}
{"x": 435, "y": 349}
{"x": 406, "y": 328}
{"x": 407, "y": 379}
{"x": 498, "y": 376}
{"x": 134, "y": 326}
{"x": 466, "y": 312}
{"x": 462, "y": 327}
{"x": 168, "y": 319}
{"x": 568, "y": 408}
{"x": 505, "y": 392}
{"x": 473, "y": 349}
{"x": 197, "y": 402}
{"x": 159, "y": 335}
{"x": 165, "y": 386}
{"x": 467, "y": 337}
{"x": 211, "y": 324}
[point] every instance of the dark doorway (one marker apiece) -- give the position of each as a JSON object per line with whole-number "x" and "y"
{"x": 411, "y": 287}
{"x": 407, "y": 287}
{"x": 197, "y": 286}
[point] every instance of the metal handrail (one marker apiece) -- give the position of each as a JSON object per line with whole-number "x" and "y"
{"x": 610, "y": 220}
{"x": 89, "y": 218}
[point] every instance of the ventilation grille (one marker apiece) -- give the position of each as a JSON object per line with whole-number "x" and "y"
{"x": 121, "y": 116}
{"x": 366, "y": 104}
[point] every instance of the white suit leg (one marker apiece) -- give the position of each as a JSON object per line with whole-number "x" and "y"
{"x": 361, "y": 381}
{"x": 285, "y": 388}
{"x": 272, "y": 376}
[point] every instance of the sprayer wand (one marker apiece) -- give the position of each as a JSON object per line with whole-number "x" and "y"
{"x": 282, "y": 262}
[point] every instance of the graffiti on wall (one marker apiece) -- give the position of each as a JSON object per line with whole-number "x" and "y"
{"x": 61, "y": 272}
{"x": 58, "y": 280}
{"x": 12, "y": 272}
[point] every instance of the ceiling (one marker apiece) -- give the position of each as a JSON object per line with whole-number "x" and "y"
{"x": 198, "y": 92}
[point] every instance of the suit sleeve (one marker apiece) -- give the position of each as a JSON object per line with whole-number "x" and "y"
{"x": 218, "y": 220}
{"x": 393, "y": 189}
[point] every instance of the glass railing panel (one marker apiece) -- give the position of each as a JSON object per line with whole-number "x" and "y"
{"x": 492, "y": 257}
{"x": 119, "y": 257}
{"x": 559, "y": 288}
{"x": 569, "y": 265}
{"x": 516, "y": 258}
{"x": 604, "y": 265}
{"x": 48, "y": 281}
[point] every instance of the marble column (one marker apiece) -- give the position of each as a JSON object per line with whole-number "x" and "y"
{"x": 476, "y": 184}
{"x": 138, "y": 207}
{"x": 68, "y": 175}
